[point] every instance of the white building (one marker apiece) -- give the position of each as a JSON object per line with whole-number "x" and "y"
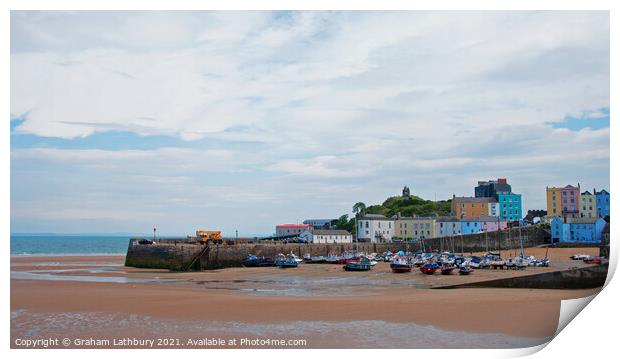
{"x": 326, "y": 236}
{"x": 375, "y": 228}
{"x": 291, "y": 229}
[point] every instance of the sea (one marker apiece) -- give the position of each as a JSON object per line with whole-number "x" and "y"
{"x": 41, "y": 245}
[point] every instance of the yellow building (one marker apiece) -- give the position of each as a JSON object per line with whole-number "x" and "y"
{"x": 587, "y": 202}
{"x": 414, "y": 228}
{"x": 554, "y": 201}
{"x": 564, "y": 201}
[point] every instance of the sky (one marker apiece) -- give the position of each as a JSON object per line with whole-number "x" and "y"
{"x": 125, "y": 121}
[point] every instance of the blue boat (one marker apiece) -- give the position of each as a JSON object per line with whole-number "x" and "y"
{"x": 286, "y": 262}
{"x": 254, "y": 261}
{"x": 465, "y": 270}
{"x": 363, "y": 265}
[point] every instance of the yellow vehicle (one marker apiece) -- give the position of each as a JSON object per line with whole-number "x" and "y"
{"x": 209, "y": 236}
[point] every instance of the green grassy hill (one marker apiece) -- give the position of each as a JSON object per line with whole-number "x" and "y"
{"x": 407, "y": 207}
{"x": 410, "y": 206}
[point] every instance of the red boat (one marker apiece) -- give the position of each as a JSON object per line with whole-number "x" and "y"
{"x": 429, "y": 268}
{"x": 348, "y": 260}
{"x": 595, "y": 260}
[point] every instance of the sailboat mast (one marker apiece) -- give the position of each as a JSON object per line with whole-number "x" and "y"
{"x": 356, "y": 235}
{"x": 521, "y": 240}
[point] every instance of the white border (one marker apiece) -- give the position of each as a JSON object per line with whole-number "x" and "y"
{"x": 591, "y": 333}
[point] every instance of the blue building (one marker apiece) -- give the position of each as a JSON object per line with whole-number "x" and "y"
{"x": 584, "y": 230}
{"x": 471, "y": 226}
{"x": 509, "y": 206}
{"x": 602, "y": 203}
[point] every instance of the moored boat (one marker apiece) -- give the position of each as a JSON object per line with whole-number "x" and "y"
{"x": 400, "y": 265}
{"x": 447, "y": 269}
{"x": 255, "y": 261}
{"x": 295, "y": 258}
{"x": 593, "y": 260}
{"x": 362, "y": 265}
{"x": 429, "y": 268}
{"x": 286, "y": 261}
{"x": 314, "y": 259}
{"x": 465, "y": 270}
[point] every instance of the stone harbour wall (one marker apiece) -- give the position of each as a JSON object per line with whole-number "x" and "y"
{"x": 178, "y": 254}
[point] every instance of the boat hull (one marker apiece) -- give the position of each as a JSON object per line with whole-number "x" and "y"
{"x": 400, "y": 268}
{"x": 356, "y": 267}
{"x": 446, "y": 271}
{"x": 287, "y": 265}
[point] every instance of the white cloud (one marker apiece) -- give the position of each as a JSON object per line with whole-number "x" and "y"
{"x": 362, "y": 101}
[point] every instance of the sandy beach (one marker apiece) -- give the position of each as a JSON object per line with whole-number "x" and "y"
{"x": 97, "y": 297}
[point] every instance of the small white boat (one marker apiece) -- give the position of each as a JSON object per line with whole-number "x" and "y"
{"x": 297, "y": 259}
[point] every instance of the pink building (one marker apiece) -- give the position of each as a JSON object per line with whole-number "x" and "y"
{"x": 491, "y": 224}
{"x": 570, "y": 201}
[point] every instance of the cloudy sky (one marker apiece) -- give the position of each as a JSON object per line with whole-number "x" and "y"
{"x": 121, "y": 121}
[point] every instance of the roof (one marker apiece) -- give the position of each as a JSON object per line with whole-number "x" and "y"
{"x": 508, "y": 194}
{"x": 568, "y": 186}
{"x": 497, "y": 181}
{"x": 601, "y": 192}
{"x": 374, "y": 216}
{"x": 293, "y": 226}
{"x": 582, "y": 220}
{"x": 334, "y": 232}
{"x": 414, "y": 218}
{"x": 447, "y": 219}
{"x": 474, "y": 199}
{"x": 586, "y": 193}
{"x": 490, "y": 219}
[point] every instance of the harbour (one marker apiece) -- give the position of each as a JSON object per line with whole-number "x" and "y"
{"x": 313, "y": 301}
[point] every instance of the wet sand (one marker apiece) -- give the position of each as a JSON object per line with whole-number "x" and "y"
{"x": 269, "y": 301}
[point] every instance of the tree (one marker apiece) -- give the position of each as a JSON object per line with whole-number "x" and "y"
{"x": 359, "y": 208}
{"x": 342, "y": 222}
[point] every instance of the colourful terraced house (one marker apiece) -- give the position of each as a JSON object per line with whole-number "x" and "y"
{"x": 563, "y": 201}
{"x": 577, "y": 230}
{"x": 602, "y": 203}
{"x": 587, "y": 204}
{"x": 510, "y": 206}
{"x": 414, "y": 228}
